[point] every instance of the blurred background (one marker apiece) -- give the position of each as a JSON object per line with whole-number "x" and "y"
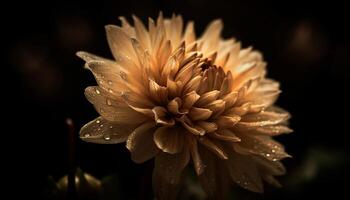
{"x": 306, "y": 45}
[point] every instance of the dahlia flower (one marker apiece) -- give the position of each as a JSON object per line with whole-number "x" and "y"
{"x": 179, "y": 98}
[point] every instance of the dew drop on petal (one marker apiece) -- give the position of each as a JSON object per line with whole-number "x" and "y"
{"x": 110, "y": 127}
{"x": 108, "y": 102}
{"x": 98, "y": 121}
{"x": 110, "y": 83}
{"x": 98, "y": 91}
{"x": 87, "y": 135}
{"x": 107, "y": 137}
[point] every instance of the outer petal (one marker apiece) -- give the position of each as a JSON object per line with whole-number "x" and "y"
{"x": 140, "y": 143}
{"x": 214, "y": 179}
{"x": 244, "y": 172}
{"x": 261, "y": 146}
{"x": 112, "y": 108}
{"x": 167, "y": 174}
{"x": 105, "y": 132}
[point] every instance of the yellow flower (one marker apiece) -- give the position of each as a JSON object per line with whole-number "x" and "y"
{"x": 176, "y": 97}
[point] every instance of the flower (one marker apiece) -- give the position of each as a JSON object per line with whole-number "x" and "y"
{"x": 178, "y": 98}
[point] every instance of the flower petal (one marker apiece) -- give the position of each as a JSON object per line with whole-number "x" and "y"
{"x": 244, "y": 172}
{"x": 119, "y": 43}
{"x": 225, "y": 135}
{"x": 102, "y": 131}
{"x": 213, "y": 146}
{"x": 197, "y": 114}
{"x": 227, "y": 121}
{"x": 214, "y": 179}
{"x": 261, "y": 146}
{"x": 161, "y": 116}
{"x": 167, "y": 174}
{"x": 140, "y": 143}
{"x": 112, "y": 108}
{"x": 190, "y": 99}
{"x": 170, "y": 139}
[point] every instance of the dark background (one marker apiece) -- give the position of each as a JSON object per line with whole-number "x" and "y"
{"x": 306, "y": 45}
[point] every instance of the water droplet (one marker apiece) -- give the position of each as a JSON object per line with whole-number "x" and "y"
{"x": 110, "y": 90}
{"x": 267, "y": 155}
{"x": 123, "y": 75}
{"x": 107, "y": 137}
{"x": 98, "y": 91}
{"x": 108, "y": 102}
{"x": 274, "y": 159}
{"x": 101, "y": 125}
{"x": 109, "y": 82}
{"x": 111, "y": 127}
{"x": 98, "y": 121}
{"x": 87, "y": 135}
{"x": 273, "y": 151}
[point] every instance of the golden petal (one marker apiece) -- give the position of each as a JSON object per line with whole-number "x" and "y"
{"x": 208, "y": 97}
{"x": 230, "y": 99}
{"x": 109, "y": 75}
{"x": 111, "y": 107}
{"x": 161, "y": 116}
{"x": 273, "y": 130}
{"x": 214, "y": 179}
{"x": 141, "y": 32}
{"x": 102, "y": 131}
{"x": 193, "y": 84}
{"x": 127, "y": 28}
{"x": 264, "y": 118}
{"x": 167, "y": 174}
{"x": 170, "y": 139}
{"x": 157, "y": 92}
{"x": 197, "y": 114}
{"x": 244, "y": 172}
{"x": 217, "y": 106}
{"x": 225, "y": 135}
{"x": 190, "y": 99}
{"x": 196, "y": 157}
{"x": 261, "y": 146}
{"x": 140, "y": 143}
{"x": 119, "y": 43}
{"x": 175, "y": 105}
{"x": 214, "y": 147}
{"x": 189, "y": 35}
{"x": 190, "y": 126}
{"x": 208, "y": 126}
{"x": 227, "y": 121}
